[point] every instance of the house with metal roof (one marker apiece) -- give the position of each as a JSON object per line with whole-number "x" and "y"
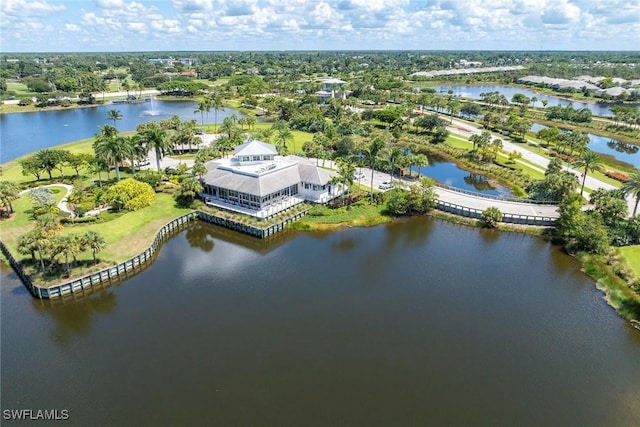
{"x": 258, "y": 182}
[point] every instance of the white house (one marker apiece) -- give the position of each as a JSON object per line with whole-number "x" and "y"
{"x": 259, "y": 182}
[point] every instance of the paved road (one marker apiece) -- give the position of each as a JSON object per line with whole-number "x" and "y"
{"x": 466, "y": 129}
{"x": 457, "y": 198}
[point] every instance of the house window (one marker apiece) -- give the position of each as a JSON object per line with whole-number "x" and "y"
{"x": 256, "y": 158}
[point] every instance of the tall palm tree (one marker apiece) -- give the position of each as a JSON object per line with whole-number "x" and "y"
{"x": 217, "y": 105}
{"x": 394, "y": 158}
{"x": 136, "y": 150}
{"x": 633, "y": 187}
{"x": 113, "y": 149}
{"x": 66, "y": 246}
{"x": 227, "y": 127}
{"x": 203, "y": 106}
{"x": 589, "y": 161}
{"x": 95, "y": 242}
{"x": 114, "y": 115}
{"x": 420, "y": 160}
{"x": 371, "y": 155}
{"x": 282, "y": 137}
{"x": 155, "y": 138}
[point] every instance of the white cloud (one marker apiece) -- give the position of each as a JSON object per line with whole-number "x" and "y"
{"x": 560, "y": 13}
{"x": 191, "y": 6}
{"x": 71, "y": 27}
{"x": 24, "y": 8}
{"x": 110, "y": 4}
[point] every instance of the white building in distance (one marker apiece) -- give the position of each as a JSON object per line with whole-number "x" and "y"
{"x": 258, "y": 182}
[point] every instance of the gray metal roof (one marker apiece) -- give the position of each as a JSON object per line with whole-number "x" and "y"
{"x": 255, "y": 148}
{"x": 264, "y": 184}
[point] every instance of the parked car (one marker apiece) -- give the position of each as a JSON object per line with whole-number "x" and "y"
{"x": 358, "y": 175}
{"x": 386, "y": 185}
{"x": 144, "y": 162}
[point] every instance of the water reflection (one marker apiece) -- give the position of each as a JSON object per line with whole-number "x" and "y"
{"x": 200, "y": 236}
{"x": 74, "y": 318}
{"x": 622, "y": 147}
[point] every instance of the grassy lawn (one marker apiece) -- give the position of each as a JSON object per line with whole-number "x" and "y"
{"x": 357, "y": 215}
{"x": 632, "y": 255}
{"x": 126, "y": 235}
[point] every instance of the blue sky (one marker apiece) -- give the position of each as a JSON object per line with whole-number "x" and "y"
{"x": 124, "y": 25}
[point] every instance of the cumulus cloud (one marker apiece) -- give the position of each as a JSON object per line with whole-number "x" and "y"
{"x": 329, "y": 24}
{"x": 24, "y": 8}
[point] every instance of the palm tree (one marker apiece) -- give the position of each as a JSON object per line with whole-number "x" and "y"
{"x": 394, "y": 158}
{"x": 155, "y": 138}
{"x": 371, "y": 154}
{"x": 590, "y": 161}
{"x": 282, "y": 137}
{"x": 114, "y": 115}
{"x": 203, "y": 106}
{"x": 136, "y": 150}
{"x": 27, "y": 244}
{"x": 227, "y": 126}
{"x": 66, "y": 246}
{"x": 112, "y": 149}
{"x": 94, "y": 241}
{"x": 420, "y": 160}
{"x": 217, "y": 105}
{"x": 633, "y": 187}
{"x": 8, "y": 193}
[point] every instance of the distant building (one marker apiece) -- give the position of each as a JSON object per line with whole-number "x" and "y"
{"x": 258, "y": 182}
{"x": 332, "y": 88}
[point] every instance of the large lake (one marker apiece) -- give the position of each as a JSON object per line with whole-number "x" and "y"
{"x": 415, "y": 323}
{"x": 601, "y": 109}
{"x": 23, "y": 133}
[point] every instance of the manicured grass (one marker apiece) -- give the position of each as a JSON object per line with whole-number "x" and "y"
{"x": 126, "y": 236}
{"x": 632, "y": 255}
{"x": 357, "y": 215}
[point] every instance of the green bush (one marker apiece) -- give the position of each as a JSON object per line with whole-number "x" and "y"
{"x": 491, "y": 217}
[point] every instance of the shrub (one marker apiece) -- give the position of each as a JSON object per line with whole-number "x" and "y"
{"x": 130, "y": 194}
{"x": 491, "y": 217}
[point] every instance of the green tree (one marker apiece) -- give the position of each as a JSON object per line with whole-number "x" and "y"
{"x": 371, "y": 156}
{"x": 189, "y": 189}
{"x": 94, "y": 241}
{"x": 282, "y": 137}
{"x": 632, "y": 187}
{"x": 114, "y": 115}
{"x": 48, "y": 160}
{"x": 111, "y": 149}
{"x": 66, "y": 246}
{"x": 589, "y": 161}
{"x": 203, "y": 106}
{"x": 8, "y": 193}
{"x": 31, "y": 166}
{"x": 217, "y": 105}
{"x": 491, "y": 217}
{"x": 346, "y": 170}
{"x": 155, "y": 138}
{"x": 420, "y": 160}
{"x": 199, "y": 169}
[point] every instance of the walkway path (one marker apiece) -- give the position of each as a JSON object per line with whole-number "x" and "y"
{"x": 62, "y": 205}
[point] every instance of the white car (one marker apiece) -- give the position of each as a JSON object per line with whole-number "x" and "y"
{"x": 144, "y": 162}
{"x": 358, "y": 175}
{"x": 386, "y": 185}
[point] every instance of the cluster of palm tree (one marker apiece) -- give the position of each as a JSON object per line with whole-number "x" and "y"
{"x": 212, "y": 101}
{"x": 47, "y": 241}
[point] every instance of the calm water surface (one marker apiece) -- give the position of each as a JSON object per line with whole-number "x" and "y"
{"x": 27, "y": 132}
{"x": 450, "y": 174}
{"x": 601, "y": 109}
{"x": 415, "y": 323}
{"x": 625, "y": 152}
